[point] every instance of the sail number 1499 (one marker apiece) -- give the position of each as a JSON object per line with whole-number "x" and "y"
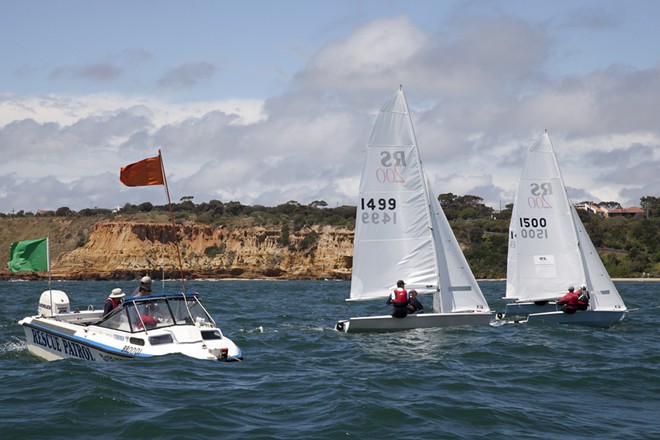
{"x": 378, "y": 211}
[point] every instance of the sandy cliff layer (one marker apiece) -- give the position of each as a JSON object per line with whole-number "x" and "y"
{"x": 128, "y": 250}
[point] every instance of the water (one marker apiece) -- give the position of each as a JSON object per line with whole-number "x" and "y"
{"x": 303, "y": 380}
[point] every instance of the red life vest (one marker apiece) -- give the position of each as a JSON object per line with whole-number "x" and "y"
{"x": 115, "y": 301}
{"x": 572, "y": 302}
{"x": 400, "y": 297}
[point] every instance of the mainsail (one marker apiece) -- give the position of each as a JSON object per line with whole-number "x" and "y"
{"x": 549, "y": 248}
{"x": 401, "y": 231}
{"x": 543, "y": 257}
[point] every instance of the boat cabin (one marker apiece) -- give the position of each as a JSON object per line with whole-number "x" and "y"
{"x": 138, "y": 314}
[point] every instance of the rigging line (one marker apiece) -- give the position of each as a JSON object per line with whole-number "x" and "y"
{"x": 378, "y": 309}
{"x": 175, "y": 229}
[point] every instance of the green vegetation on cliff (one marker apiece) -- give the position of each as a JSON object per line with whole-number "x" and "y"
{"x": 629, "y": 247}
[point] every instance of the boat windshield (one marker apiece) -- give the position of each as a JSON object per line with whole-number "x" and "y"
{"x": 135, "y": 316}
{"x": 197, "y": 313}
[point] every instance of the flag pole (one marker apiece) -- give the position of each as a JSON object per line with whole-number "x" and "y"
{"x": 174, "y": 228}
{"x": 50, "y": 288}
{"x": 48, "y": 259}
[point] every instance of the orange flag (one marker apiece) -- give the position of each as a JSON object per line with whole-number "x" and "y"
{"x": 143, "y": 173}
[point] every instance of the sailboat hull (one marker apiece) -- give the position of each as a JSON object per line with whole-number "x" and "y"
{"x": 386, "y": 323}
{"x": 526, "y": 308}
{"x": 592, "y": 318}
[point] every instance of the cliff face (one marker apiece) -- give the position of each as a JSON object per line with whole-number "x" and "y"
{"x": 128, "y": 250}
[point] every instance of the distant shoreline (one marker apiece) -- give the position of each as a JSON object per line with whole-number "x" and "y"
{"x": 654, "y": 280}
{"x": 636, "y": 279}
{"x": 55, "y": 280}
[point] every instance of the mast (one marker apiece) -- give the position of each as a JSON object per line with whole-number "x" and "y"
{"x": 427, "y": 198}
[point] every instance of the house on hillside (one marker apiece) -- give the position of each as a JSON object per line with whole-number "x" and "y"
{"x": 594, "y": 209}
{"x": 606, "y": 213}
{"x": 626, "y": 212}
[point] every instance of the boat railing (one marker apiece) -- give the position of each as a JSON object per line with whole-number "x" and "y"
{"x": 83, "y": 317}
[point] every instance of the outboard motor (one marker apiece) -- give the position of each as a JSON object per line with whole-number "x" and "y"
{"x": 53, "y": 301}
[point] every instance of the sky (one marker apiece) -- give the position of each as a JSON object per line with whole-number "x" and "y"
{"x": 265, "y": 102}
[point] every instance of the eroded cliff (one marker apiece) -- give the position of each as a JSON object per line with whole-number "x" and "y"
{"x": 129, "y": 250}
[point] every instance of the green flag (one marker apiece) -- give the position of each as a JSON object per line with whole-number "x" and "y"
{"x": 29, "y": 255}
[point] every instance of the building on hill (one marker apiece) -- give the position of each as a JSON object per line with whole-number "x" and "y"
{"x": 607, "y": 213}
{"x": 626, "y": 212}
{"x": 594, "y": 209}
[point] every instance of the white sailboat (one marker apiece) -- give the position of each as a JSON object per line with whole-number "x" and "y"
{"x": 549, "y": 250}
{"x": 401, "y": 232}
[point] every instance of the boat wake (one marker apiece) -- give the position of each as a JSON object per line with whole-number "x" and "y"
{"x": 15, "y": 346}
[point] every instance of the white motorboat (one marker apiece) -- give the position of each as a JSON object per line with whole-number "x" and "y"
{"x": 139, "y": 327}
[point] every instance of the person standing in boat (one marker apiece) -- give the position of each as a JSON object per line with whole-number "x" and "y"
{"x": 145, "y": 287}
{"x": 415, "y": 306}
{"x": 399, "y": 298}
{"x": 112, "y": 301}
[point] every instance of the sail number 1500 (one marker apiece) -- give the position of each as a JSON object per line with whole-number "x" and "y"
{"x": 533, "y": 228}
{"x": 381, "y": 211}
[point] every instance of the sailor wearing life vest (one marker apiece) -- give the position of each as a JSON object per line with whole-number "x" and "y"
{"x": 113, "y": 300}
{"x": 572, "y": 301}
{"x": 399, "y": 298}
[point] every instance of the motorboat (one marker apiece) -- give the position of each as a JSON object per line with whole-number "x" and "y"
{"x": 139, "y": 327}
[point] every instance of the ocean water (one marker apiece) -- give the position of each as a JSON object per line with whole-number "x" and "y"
{"x": 302, "y": 380}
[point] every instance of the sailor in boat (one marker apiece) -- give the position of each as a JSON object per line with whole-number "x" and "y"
{"x": 571, "y": 302}
{"x": 583, "y": 298}
{"x": 112, "y": 301}
{"x": 145, "y": 287}
{"x": 399, "y": 298}
{"x": 415, "y": 306}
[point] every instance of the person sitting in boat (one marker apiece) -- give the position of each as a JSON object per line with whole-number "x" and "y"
{"x": 112, "y": 301}
{"x": 569, "y": 302}
{"x": 152, "y": 313}
{"x": 399, "y": 299}
{"x": 583, "y": 298}
{"x": 414, "y": 306}
{"x": 145, "y": 287}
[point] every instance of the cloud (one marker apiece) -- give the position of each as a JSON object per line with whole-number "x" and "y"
{"x": 100, "y": 72}
{"x": 188, "y": 75}
{"x": 593, "y": 18}
{"x": 479, "y": 90}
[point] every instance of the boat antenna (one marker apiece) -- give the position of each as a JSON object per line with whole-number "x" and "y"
{"x": 48, "y": 264}
{"x": 50, "y": 287}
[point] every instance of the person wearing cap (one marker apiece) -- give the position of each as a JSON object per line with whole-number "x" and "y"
{"x": 415, "y": 306}
{"x": 569, "y": 302}
{"x": 145, "y": 287}
{"x": 399, "y": 298}
{"x": 112, "y": 301}
{"x": 583, "y": 297}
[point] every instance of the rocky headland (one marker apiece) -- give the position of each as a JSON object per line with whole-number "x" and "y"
{"x": 129, "y": 250}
